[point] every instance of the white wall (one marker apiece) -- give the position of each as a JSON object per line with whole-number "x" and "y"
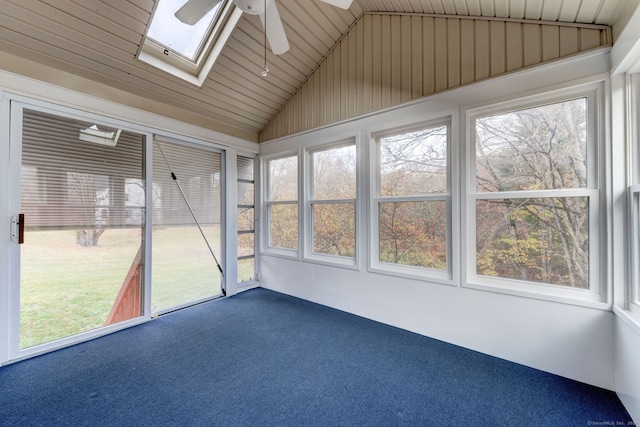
{"x": 625, "y": 60}
{"x": 568, "y": 340}
{"x": 572, "y": 340}
{"x": 627, "y": 372}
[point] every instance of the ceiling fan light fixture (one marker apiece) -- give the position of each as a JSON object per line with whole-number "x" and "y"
{"x": 193, "y": 10}
{"x": 252, "y": 7}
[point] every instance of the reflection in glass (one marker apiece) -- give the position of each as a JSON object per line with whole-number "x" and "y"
{"x": 83, "y": 201}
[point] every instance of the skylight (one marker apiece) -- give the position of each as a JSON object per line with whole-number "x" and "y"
{"x": 181, "y": 38}
{"x": 187, "y": 51}
{"x": 100, "y": 136}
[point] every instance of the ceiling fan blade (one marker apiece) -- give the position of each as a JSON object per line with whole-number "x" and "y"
{"x": 274, "y": 29}
{"x": 194, "y": 10}
{"x": 343, "y": 4}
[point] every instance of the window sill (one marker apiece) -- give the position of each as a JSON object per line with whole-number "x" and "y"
{"x": 414, "y": 273}
{"x": 281, "y": 253}
{"x": 629, "y": 317}
{"x": 577, "y": 297}
{"x": 333, "y": 261}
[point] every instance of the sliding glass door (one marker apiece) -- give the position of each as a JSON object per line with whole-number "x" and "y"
{"x": 80, "y": 217}
{"x": 187, "y": 217}
{"x": 82, "y": 196}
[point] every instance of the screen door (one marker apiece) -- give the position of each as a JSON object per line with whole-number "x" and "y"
{"x": 187, "y": 218}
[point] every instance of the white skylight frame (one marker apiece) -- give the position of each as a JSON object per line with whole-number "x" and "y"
{"x": 195, "y": 72}
{"x": 100, "y": 136}
{"x": 184, "y": 39}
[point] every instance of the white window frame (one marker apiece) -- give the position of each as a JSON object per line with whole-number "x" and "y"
{"x": 309, "y": 202}
{"x": 634, "y": 234}
{"x": 597, "y": 294}
{"x": 194, "y": 72}
{"x": 18, "y": 104}
{"x": 633, "y": 138}
{"x": 265, "y": 247}
{"x": 252, "y": 231}
{"x": 415, "y": 272}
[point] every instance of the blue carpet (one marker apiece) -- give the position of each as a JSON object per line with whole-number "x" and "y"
{"x": 266, "y": 359}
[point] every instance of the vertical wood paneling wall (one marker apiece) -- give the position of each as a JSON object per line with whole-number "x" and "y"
{"x": 387, "y": 59}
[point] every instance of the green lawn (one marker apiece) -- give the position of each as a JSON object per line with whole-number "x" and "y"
{"x": 67, "y": 289}
{"x": 183, "y": 268}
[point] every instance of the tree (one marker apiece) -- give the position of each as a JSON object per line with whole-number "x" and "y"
{"x": 414, "y": 164}
{"x": 283, "y": 212}
{"x": 334, "y": 182}
{"x": 89, "y": 197}
{"x": 541, "y": 239}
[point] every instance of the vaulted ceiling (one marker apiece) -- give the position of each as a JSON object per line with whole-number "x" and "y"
{"x": 97, "y": 41}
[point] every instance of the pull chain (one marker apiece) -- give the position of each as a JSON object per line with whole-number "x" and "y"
{"x": 265, "y": 71}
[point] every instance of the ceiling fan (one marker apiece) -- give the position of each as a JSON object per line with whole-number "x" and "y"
{"x": 194, "y": 10}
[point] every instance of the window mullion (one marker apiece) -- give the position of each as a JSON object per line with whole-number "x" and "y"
{"x": 538, "y": 194}
{"x": 420, "y": 198}
{"x": 331, "y": 202}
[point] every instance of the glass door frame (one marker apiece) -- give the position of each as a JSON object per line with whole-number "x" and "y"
{"x": 224, "y": 202}
{"x": 7, "y": 248}
{"x": 16, "y": 106}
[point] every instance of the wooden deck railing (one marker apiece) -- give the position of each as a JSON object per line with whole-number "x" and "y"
{"x": 128, "y": 303}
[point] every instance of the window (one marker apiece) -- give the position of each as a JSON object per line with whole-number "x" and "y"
{"x": 331, "y": 204}
{"x": 534, "y": 199}
{"x": 181, "y": 38}
{"x": 246, "y": 224}
{"x": 411, "y": 202}
{"x": 282, "y": 205}
{"x": 633, "y": 136}
{"x": 83, "y": 223}
{"x": 184, "y": 50}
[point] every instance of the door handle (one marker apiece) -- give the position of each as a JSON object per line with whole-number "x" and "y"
{"x": 17, "y": 228}
{"x": 20, "y": 228}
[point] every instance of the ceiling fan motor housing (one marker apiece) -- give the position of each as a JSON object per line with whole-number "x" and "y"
{"x": 252, "y": 7}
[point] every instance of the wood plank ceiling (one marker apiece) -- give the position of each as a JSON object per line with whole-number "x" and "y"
{"x": 98, "y": 40}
